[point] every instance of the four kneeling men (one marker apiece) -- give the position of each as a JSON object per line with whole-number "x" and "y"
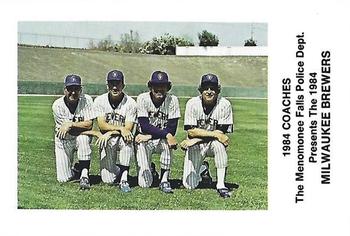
{"x": 143, "y": 127}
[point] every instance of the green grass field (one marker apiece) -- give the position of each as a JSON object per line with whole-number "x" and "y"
{"x": 38, "y": 188}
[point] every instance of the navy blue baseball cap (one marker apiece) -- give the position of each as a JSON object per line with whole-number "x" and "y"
{"x": 210, "y": 79}
{"x": 159, "y": 77}
{"x": 72, "y": 80}
{"x": 115, "y": 75}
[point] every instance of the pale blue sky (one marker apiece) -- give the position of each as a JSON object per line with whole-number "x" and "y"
{"x": 229, "y": 34}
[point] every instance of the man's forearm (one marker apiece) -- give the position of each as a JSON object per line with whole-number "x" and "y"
{"x": 82, "y": 125}
{"x": 201, "y": 133}
{"x": 147, "y": 128}
{"x": 105, "y": 127}
{"x": 91, "y": 133}
{"x": 98, "y": 133}
{"x": 171, "y": 126}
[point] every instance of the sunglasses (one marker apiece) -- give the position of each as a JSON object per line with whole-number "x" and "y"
{"x": 213, "y": 88}
{"x": 73, "y": 88}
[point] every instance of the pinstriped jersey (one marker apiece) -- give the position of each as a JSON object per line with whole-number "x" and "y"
{"x": 158, "y": 117}
{"x": 125, "y": 111}
{"x": 83, "y": 112}
{"x": 220, "y": 115}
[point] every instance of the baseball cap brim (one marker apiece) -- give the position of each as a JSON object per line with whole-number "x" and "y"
{"x": 72, "y": 84}
{"x": 114, "y": 79}
{"x": 210, "y": 83}
{"x": 159, "y": 82}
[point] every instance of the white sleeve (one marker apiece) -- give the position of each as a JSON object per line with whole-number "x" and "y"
{"x": 226, "y": 117}
{"x": 141, "y": 107}
{"x": 97, "y": 107}
{"x": 54, "y": 112}
{"x": 57, "y": 115}
{"x": 174, "y": 108}
{"x": 89, "y": 109}
{"x": 131, "y": 112}
{"x": 190, "y": 114}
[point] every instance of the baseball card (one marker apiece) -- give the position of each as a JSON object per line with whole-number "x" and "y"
{"x": 190, "y": 117}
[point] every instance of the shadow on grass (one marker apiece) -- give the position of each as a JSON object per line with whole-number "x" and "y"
{"x": 95, "y": 179}
{"x": 175, "y": 183}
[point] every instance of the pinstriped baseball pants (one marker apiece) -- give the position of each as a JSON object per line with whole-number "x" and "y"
{"x": 64, "y": 151}
{"x": 144, "y": 153}
{"x": 194, "y": 158}
{"x": 116, "y": 152}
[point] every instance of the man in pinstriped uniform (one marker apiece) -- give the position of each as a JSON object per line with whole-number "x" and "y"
{"x": 116, "y": 117}
{"x": 208, "y": 117}
{"x": 158, "y": 113}
{"x": 73, "y": 115}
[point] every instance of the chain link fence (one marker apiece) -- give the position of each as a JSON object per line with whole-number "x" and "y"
{"x": 50, "y": 40}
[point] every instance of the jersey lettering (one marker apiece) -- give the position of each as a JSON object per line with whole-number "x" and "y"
{"x": 114, "y": 118}
{"x": 158, "y": 118}
{"x": 158, "y": 114}
{"x": 208, "y": 124}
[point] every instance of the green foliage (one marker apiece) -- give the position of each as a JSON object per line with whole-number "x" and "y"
{"x": 207, "y": 39}
{"x": 91, "y": 44}
{"x": 164, "y": 45}
{"x": 106, "y": 44}
{"x": 250, "y": 42}
{"x": 129, "y": 43}
{"x": 39, "y": 189}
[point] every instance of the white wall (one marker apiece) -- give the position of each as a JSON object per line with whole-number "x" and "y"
{"x": 221, "y": 51}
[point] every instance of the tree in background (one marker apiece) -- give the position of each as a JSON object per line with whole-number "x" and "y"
{"x": 250, "y": 42}
{"x": 207, "y": 39}
{"x": 103, "y": 45}
{"x": 129, "y": 43}
{"x": 91, "y": 45}
{"x": 106, "y": 44}
{"x": 164, "y": 45}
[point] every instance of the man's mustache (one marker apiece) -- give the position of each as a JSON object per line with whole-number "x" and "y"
{"x": 210, "y": 93}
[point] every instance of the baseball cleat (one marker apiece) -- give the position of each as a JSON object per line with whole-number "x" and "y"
{"x": 205, "y": 175}
{"x": 165, "y": 187}
{"x": 84, "y": 183}
{"x": 124, "y": 186}
{"x": 224, "y": 192}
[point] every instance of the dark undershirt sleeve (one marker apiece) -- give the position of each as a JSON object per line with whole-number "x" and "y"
{"x": 172, "y": 126}
{"x": 223, "y": 128}
{"x": 187, "y": 127}
{"x": 156, "y": 132}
